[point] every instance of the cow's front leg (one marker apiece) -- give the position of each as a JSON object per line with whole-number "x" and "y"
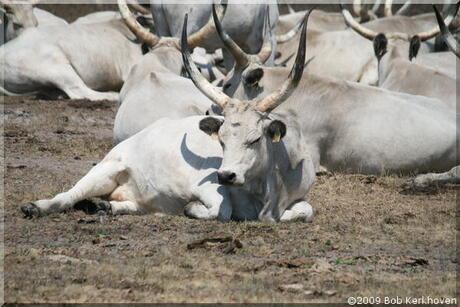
{"x": 299, "y": 211}
{"x": 213, "y": 202}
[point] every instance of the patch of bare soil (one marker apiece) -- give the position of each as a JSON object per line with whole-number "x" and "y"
{"x": 369, "y": 238}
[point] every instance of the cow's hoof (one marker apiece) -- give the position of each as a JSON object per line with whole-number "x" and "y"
{"x": 30, "y": 210}
{"x": 103, "y": 207}
{"x": 309, "y": 215}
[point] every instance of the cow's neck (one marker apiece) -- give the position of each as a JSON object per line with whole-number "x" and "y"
{"x": 267, "y": 190}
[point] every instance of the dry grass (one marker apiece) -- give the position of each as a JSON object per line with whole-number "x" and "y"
{"x": 369, "y": 238}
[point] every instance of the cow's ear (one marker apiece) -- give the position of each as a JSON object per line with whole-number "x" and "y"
{"x": 253, "y": 77}
{"x": 414, "y": 46}
{"x": 210, "y": 126}
{"x": 276, "y": 130}
{"x": 380, "y": 45}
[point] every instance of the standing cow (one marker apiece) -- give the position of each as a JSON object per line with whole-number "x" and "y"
{"x": 244, "y": 21}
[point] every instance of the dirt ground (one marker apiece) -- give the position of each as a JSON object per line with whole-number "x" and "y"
{"x": 370, "y": 236}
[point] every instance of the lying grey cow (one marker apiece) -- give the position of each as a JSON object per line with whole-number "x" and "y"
{"x": 104, "y": 16}
{"x": 452, "y": 176}
{"x": 357, "y": 128}
{"x": 345, "y": 55}
{"x": 20, "y": 16}
{"x": 155, "y": 80}
{"x": 171, "y": 165}
{"x": 85, "y": 61}
{"x": 323, "y": 20}
{"x": 431, "y": 75}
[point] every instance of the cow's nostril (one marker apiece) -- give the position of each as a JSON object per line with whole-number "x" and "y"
{"x": 226, "y": 177}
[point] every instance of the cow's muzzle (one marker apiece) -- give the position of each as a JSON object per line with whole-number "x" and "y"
{"x": 226, "y": 178}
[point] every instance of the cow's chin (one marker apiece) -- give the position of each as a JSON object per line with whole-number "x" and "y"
{"x": 237, "y": 183}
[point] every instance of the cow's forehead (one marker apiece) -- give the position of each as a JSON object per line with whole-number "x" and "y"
{"x": 241, "y": 116}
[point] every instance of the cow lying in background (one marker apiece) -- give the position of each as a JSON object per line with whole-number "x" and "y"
{"x": 453, "y": 175}
{"x": 21, "y": 16}
{"x": 345, "y": 55}
{"x": 400, "y": 69}
{"x": 156, "y": 78}
{"x": 85, "y": 61}
{"x": 260, "y": 172}
{"x": 356, "y": 128}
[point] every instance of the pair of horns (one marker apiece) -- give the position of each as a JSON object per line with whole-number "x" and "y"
{"x": 370, "y": 34}
{"x": 266, "y": 104}
{"x": 450, "y": 40}
{"x": 242, "y": 59}
{"x": 152, "y": 40}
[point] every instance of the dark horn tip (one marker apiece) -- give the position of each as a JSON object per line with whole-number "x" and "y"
{"x": 216, "y": 20}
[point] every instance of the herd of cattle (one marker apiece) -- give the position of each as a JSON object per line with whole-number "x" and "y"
{"x": 213, "y": 125}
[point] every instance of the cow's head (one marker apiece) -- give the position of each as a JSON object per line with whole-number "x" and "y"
{"x": 167, "y": 49}
{"x": 19, "y": 16}
{"x": 395, "y": 44}
{"x": 247, "y": 133}
{"x": 242, "y": 59}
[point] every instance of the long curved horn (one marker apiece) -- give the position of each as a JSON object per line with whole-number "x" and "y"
{"x": 200, "y": 82}
{"x": 403, "y": 9}
{"x": 240, "y": 57}
{"x": 450, "y": 40}
{"x": 276, "y": 98}
{"x": 350, "y": 21}
{"x": 138, "y": 8}
{"x": 435, "y": 31}
{"x": 141, "y": 33}
{"x": 284, "y": 38}
{"x": 266, "y": 49}
{"x": 387, "y": 10}
{"x": 208, "y": 29}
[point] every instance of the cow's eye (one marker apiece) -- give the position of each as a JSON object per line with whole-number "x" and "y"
{"x": 255, "y": 141}
{"x": 226, "y": 86}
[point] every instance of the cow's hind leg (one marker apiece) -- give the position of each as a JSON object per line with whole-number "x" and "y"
{"x": 425, "y": 180}
{"x": 300, "y": 211}
{"x": 101, "y": 180}
{"x": 67, "y": 80}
